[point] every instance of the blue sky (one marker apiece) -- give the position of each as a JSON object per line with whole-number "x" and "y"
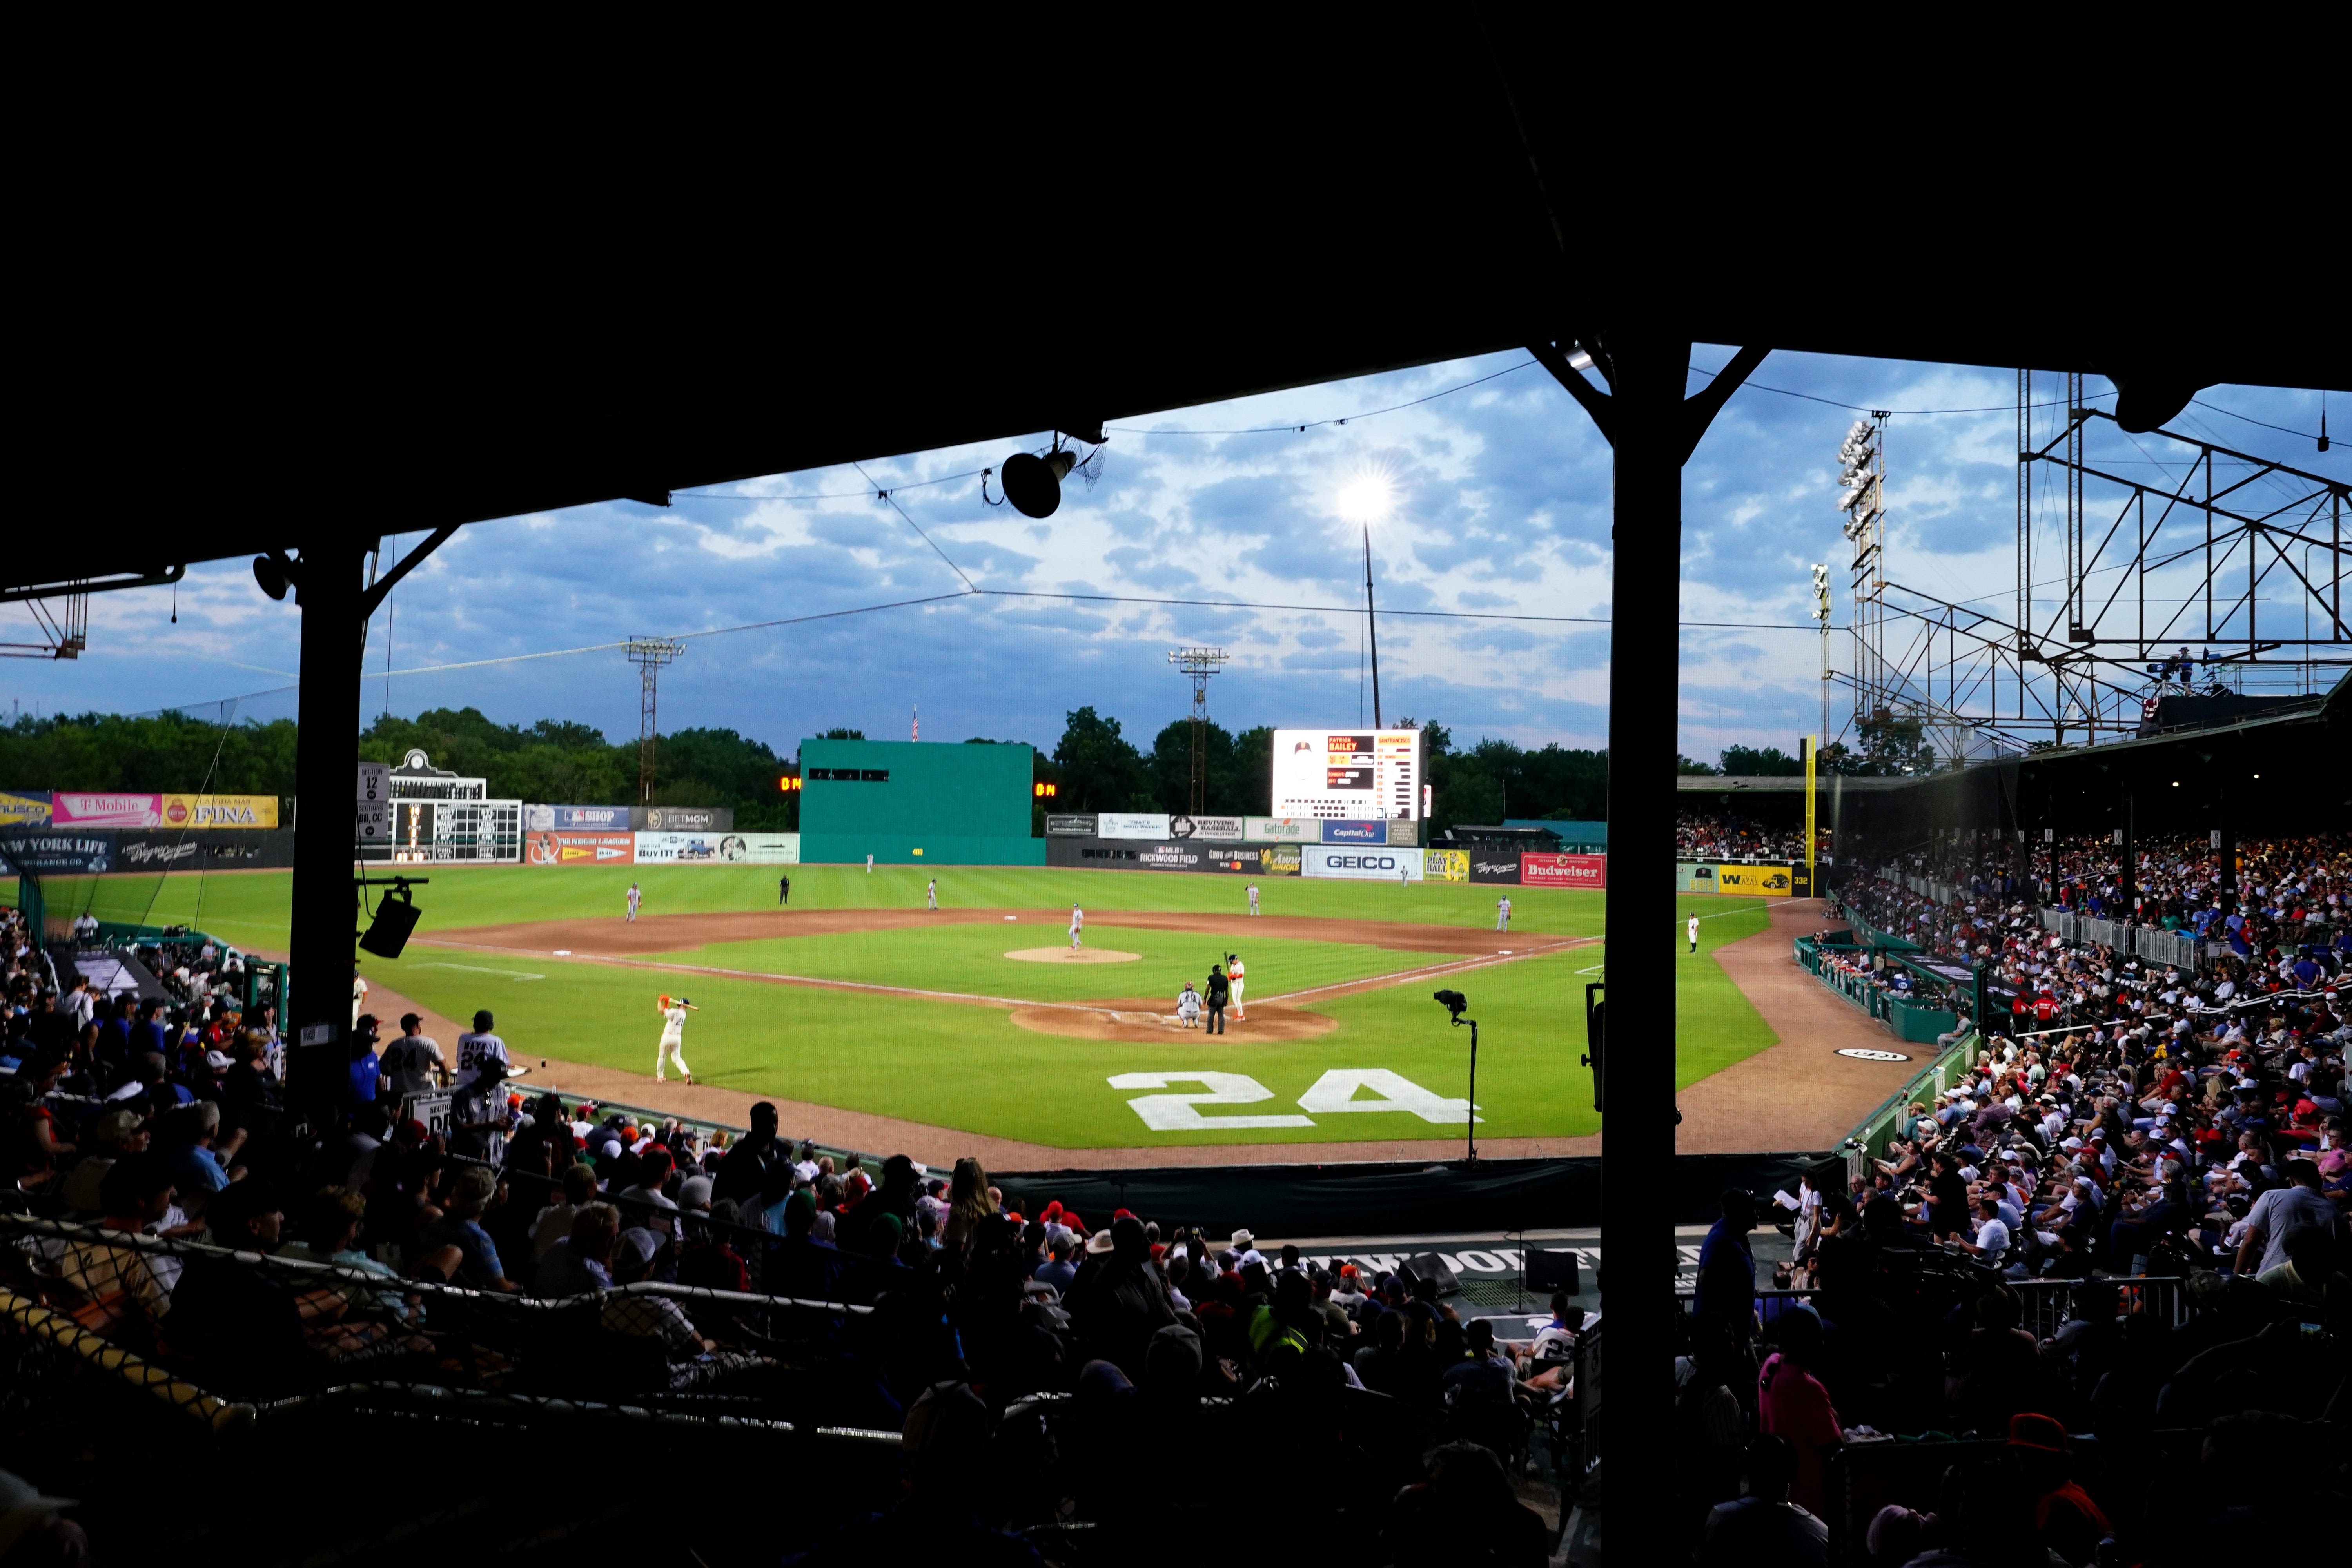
{"x": 1500, "y": 503}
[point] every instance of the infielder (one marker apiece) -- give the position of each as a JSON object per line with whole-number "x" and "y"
{"x": 932, "y": 893}
{"x": 1503, "y": 913}
{"x": 1234, "y": 979}
{"x": 1693, "y": 933}
{"x": 1253, "y": 897}
{"x": 1077, "y": 924}
{"x": 672, "y": 1049}
{"x": 636, "y": 897}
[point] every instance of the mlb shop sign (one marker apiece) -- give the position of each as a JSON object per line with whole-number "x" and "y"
{"x": 1564, "y": 870}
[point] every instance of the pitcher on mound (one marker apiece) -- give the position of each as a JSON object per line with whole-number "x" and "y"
{"x": 672, "y": 1049}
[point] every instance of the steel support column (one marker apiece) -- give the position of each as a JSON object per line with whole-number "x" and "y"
{"x": 325, "y": 754}
{"x": 1637, "y": 1160}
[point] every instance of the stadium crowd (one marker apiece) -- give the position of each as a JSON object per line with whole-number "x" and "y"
{"x": 172, "y": 1195}
{"x": 1730, "y": 836}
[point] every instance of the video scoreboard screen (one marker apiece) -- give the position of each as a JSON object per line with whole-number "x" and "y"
{"x": 1360, "y": 775}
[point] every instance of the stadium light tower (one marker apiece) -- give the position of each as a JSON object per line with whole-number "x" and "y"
{"x": 1367, "y": 499}
{"x": 648, "y": 654}
{"x": 1198, "y": 664}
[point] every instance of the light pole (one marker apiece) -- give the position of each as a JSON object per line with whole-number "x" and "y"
{"x": 1455, "y": 1004}
{"x": 1822, "y": 614}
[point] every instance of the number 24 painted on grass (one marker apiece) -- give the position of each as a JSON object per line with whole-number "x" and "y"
{"x": 1334, "y": 1092}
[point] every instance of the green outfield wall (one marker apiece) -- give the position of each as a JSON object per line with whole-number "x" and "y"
{"x": 913, "y": 804}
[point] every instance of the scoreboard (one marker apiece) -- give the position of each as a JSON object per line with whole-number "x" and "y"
{"x": 1358, "y": 775}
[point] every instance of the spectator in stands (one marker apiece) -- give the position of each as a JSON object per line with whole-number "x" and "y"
{"x": 552, "y": 1225}
{"x": 2279, "y": 1213}
{"x": 1465, "y": 1513}
{"x": 1726, "y": 1294}
{"x": 461, "y": 1228}
{"x": 1764, "y": 1528}
{"x": 185, "y": 1140}
{"x": 580, "y": 1261}
{"x": 1059, "y": 1270}
{"x": 969, "y": 1206}
{"x": 1792, "y": 1403}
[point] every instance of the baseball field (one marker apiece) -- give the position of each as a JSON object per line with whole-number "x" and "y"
{"x": 977, "y": 1017}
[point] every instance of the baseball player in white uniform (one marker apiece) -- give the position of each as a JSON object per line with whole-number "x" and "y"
{"x": 1253, "y": 897}
{"x": 636, "y": 897}
{"x": 359, "y": 995}
{"x": 1077, "y": 924}
{"x": 1693, "y": 933}
{"x": 1234, "y": 978}
{"x": 1503, "y": 913}
{"x": 479, "y": 1046}
{"x": 932, "y": 892}
{"x": 672, "y": 1049}
{"x": 870, "y": 865}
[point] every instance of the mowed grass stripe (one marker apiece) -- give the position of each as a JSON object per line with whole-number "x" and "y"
{"x": 250, "y": 908}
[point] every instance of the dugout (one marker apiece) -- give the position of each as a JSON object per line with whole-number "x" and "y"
{"x": 907, "y": 804}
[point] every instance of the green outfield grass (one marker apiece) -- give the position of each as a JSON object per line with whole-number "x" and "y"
{"x": 971, "y": 1068}
{"x": 248, "y": 908}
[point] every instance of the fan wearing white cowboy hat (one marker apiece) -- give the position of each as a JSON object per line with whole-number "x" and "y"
{"x": 1245, "y": 1250}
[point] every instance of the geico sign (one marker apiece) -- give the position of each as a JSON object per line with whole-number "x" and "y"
{"x": 1361, "y": 862}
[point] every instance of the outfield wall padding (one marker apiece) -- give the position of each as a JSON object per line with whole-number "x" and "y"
{"x": 919, "y": 849}
{"x": 1436, "y": 1199}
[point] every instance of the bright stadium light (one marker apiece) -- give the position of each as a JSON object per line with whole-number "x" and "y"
{"x": 1367, "y": 497}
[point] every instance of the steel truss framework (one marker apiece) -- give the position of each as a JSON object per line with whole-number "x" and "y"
{"x": 2240, "y": 557}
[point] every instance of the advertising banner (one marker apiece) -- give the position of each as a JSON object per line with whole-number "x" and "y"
{"x": 1131, "y": 824}
{"x": 1445, "y": 864}
{"x": 1691, "y": 877}
{"x": 25, "y": 809}
{"x": 220, "y": 811}
{"x": 67, "y": 854}
{"x": 683, "y": 818}
{"x": 1406, "y": 835}
{"x": 225, "y": 850}
{"x": 576, "y": 818}
{"x": 1496, "y": 865}
{"x": 761, "y": 848}
{"x": 1071, "y": 824}
{"x": 579, "y": 848}
{"x": 1366, "y": 864}
{"x": 1564, "y": 870}
{"x": 1282, "y": 830}
{"x": 1214, "y": 829}
{"x": 1355, "y": 832}
{"x": 85, "y": 809}
{"x": 1256, "y": 859}
{"x": 1768, "y": 881}
{"x": 678, "y": 848}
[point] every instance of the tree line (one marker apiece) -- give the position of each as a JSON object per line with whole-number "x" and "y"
{"x": 1093, "y": 766}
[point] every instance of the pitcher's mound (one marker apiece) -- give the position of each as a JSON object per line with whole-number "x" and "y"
{"x": 1141, "y": 1021}
{"x": 1073, "y": 955}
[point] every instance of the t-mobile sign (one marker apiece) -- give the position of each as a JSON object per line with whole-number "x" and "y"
{"x": 1564, "y": 870}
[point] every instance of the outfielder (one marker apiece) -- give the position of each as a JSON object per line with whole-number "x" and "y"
{"x": 636, "y": 897}
{"x": 932, "y": 893}
{"x": 1503, "y": 912}
{"x": 870, "y": 865}
{"x": 1234, "y": 979}
{"x": 672, "y": 1049}
{"x": 1077, "y": 924}
{"x": 1693, "y": 933}
{"x": 1253, "y": 897}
